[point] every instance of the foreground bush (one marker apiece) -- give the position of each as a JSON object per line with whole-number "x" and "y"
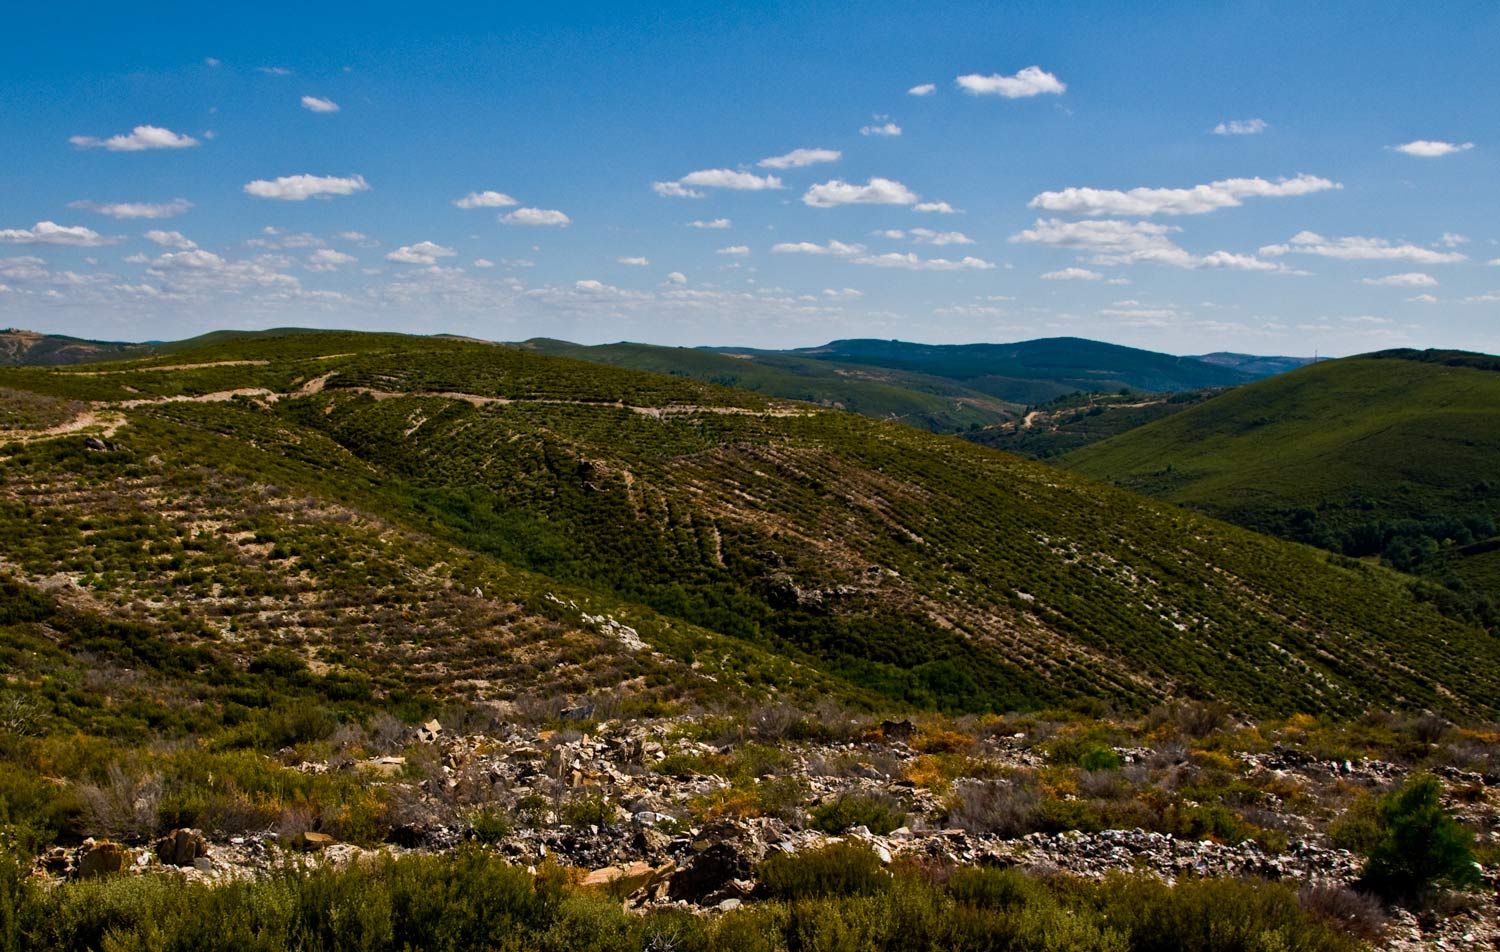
{"x": 473, "y": 901}
{"x": 1420, "y": 847}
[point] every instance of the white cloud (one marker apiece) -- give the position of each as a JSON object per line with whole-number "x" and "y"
{"x": 319, "y": 104}
{"x": 926, "y": 236}
{"x": 717, "y": 224}
{"x": 274, "y": 70}
{"x": 676, "y": 277}
{"x": 940, "y": 208}
{"x": 423, "y": 252}
{"x": 1422, "y": 299}
{"x": 1241, "y": 127}
{"x": 483, "y": 263}
{"x": 51, "y": 233}
{"x": 1197, "y": 200}
{"x": 674, "y": 190}
{"x": 1489, "y": 297}
{"x": 327, "y": 259}
{"x": 175, "y": 240}
{"x": 836, "y": 248}
{"x": 846, "y": 294}
{"x": 1412, "y": 279}
{"x": 1428, "y": 149}
{"x": 1355, "y": 248}
{"x": 884, "y": 129}
{"x": 139, "y": 139}
{"x": 1453, "y": 239}
{"x": 1031, "y": 81}
{"x": 1072, "y": 274}
{"x": 877, "y": 191}
{"x": 925, "y": 89}
{"x": 800, "y": 158}
{"x": 1120, "y": 242}
{"x": 911, "y": 262}
{"x": 737, "y": 251}
{"x": 486, "y": 199}
{"x": 537, "y": 216}
{"x": 730, "y": 179}
{"x": 210, "y": 61}
{"x": 634, "y": 262}
{"x": 594, "y": 286}
{"x": 297, "y": 188}
{"x": 136, "y": 209}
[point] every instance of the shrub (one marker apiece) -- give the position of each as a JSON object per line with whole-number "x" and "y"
{"x": 1008, "y": 809}
{"x": 1422, "y": 845}
{"x": 1354, "y": 912}
{"x": 838, "y": 869}
{"x": 879, "y": 816}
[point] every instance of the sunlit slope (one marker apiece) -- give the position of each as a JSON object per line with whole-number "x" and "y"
{"x": 891, "y": 562}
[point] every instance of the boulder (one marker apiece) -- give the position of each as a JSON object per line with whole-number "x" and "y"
{"x": 710, "y": 871}
{"x": 309, "y": 841}
{"x": 627, "y": 879}
{"x": 101, "y": 858}
{"x": 181, "y": 847}
{"x": 898, "y": 730}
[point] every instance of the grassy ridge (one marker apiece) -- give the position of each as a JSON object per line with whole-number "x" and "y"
{"x": 1383, "y": 455}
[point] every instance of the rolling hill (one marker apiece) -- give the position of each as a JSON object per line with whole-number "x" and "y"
{"x": 438, "y": 519}
{"x": 1392, "y": 454}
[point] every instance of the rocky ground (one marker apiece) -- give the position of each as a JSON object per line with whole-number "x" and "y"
{"x": 659, "y": 813}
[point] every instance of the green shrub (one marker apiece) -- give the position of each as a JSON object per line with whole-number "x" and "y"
{"x": 1422, "y": 845}
{"x": 838, "y": 869}
{"x": 846, "y": 812}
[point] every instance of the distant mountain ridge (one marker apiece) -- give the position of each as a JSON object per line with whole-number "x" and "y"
{"x": 1254, "y": 365}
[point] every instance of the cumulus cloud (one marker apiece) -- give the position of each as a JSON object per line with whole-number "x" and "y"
{"x": 485, "y": 199}
{"x": 1355, "y": 248}
{"x": 877, "y": 191}
{"x": 688, "y": 186}
{"x": 911, "y": 262}
{"x": 51, "y": 233}
{"x": 925, "y": 89}
{"x": 836, "y": 248}
{"x": 1411, "y": 279}
{"x": 1429, "y": 149}
{"x": 1072, "y": 274}
{"x": 1118, "y": 242}
{"x": 1241, "y": 127}
{"x": 483, "y": 263}
{"x": 319, "y": 104}
{"x": 940, "y": 208}
{"x": 926, "y": 236}
{"x": 297, "y": 188}
{"x": 799, "y": 158}
{"x": 846, "y": 294}
{"x": 736, "y": 251}
{"x": 1197, "y": 200}
{"x": 1453, "y": 239}
{"x": 175, "y": 240}
{"x": 884, "y": 129}
{"x": 135, "y": 209}
{"x": 1031, "y": 81}
{"x": 537, "y": 216}
{"x": 676, "y": 277}
{"x": 327, "y": 259}
{"x": 423, "y": 252}
{"x": 717, "y": 224}
{"x": 138, "y": 139}
{"x": 674, "y": 190}
{"x": 634, "y": 262}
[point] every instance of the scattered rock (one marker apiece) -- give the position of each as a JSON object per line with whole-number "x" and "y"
{"x": 101, "y": 858}
{"x": 182, "y": 847}
{"x": 309, "y": 841}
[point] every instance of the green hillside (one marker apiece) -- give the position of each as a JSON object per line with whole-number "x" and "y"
{"x": 931, "y": 403}
{"x": 1393, "y": 454}
{"x": 436, "y": 518}
{"x": 1079, "y": 419}
{"x": 1036, "y": 371}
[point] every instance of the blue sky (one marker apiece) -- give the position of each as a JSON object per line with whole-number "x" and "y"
{"x": 1262, "y": 177}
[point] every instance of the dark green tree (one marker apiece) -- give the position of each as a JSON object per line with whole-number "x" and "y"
{"x": 1422, "y": 845}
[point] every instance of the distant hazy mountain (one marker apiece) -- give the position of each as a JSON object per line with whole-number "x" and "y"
{"x": 1253, "y": 365}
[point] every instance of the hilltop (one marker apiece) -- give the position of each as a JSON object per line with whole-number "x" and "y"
{"x": 1391, "y": 454}
{"x": 317, "y": 481}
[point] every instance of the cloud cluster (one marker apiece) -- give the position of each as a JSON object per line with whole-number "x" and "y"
{"x": 423, "y": 252}
{"x": 877, "y": 191}
{"x": 1429, "y": 149}
{"x": 1031, "y": 81}
{"x": 1197, "y": 200}
{"x": 297, "y": 188}
{"x": 1241, "y": 127}
{"x": 716, "y": 224}
{"x": 51, "y": 233}
{"x": 1355, "y": 248}
{"x": 800, "y": 158}
{"x": 486, "y": 199}
{"x": 139, "y": 139}
{"x": 1115, "y": 242}
{"x": 888, "y": 129}
{"x": 540, "y": 217}
{"x": 174, "y": 240}
{"x": 135, "y": 209}
{"x": 1411, "y": 279}
{"x": 688, "y": 185}
{"x": 1072, "y": 274}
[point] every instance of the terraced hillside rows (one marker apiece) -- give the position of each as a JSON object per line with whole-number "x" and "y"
{"x": 1393, "y": 455}
{"x": 459, "y": 517}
